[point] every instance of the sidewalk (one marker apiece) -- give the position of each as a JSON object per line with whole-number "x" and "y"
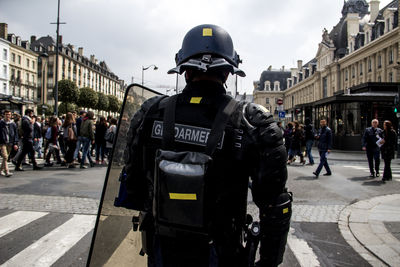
{"x": 363, "y": 226}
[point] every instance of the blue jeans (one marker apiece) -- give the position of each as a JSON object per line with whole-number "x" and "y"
{"x": 309, "y": 144}
{"x": 78, "y": 147}
{"x": 86, "y": 149}
{"x": 37, "y": 146}
{"x": 323, "y": 162}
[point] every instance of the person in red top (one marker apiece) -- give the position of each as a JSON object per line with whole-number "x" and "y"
{"x": 54, "y": 149}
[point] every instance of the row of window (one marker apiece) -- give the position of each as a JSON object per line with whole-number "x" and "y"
{"x": 369, "y": 65}
{"x": 18, "y": 59}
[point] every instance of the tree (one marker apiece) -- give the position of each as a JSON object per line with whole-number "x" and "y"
{"x": 113, "y": 103}
{"x": 68, "y": 91}
{"x": 87, "y": 98}
{"x": 102, "y": 103}
{"x": 65, "y": 107}
{"x": 45, "y": 109}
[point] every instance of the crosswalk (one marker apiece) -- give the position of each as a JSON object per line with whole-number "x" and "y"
{"x": 32, "y": 238}
{"x": 365, "y": 169}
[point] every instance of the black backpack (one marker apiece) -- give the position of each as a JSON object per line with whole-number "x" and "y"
{"x": 179, "y": 207}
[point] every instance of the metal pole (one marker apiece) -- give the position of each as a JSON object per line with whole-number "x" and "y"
{"x": 57, "y": 52}
{"x": 142, "y": 75}
{"x": 398, "y": 124}
{"x": 176, "y": 86}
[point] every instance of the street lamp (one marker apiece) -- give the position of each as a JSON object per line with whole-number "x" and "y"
{"x": 143, "y": 69}
{"x": 43, "y": 70}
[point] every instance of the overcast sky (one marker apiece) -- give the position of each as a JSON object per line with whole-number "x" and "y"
{"x": 129, "y": 34}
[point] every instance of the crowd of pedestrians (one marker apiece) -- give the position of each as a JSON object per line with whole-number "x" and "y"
{"x": 68, "y": 141}
{"x": 378, "y": 143}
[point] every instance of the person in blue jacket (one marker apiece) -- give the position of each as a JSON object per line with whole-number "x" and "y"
{"x": 324, "y": 138}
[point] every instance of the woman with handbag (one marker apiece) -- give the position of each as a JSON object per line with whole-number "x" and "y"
{"x": 70, "y": 139}
{"x": 387, "y": 149}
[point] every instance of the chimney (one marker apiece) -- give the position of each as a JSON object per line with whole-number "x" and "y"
{"x": 3, "y": 30}
{"x": 299, "y": 65}
{"x": 374, "y": 9}
{"x": 80, "y": 51}
{"x": 33, "y": 39}
{"x": 283, "y": 68}
{"x": 92, "y": 58}
{"x": 352, "y": 24}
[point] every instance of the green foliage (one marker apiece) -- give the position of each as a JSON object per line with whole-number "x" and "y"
{"x": 67, "y": 91}
{"x": 102, "y": 103}
{"x": 113, "y": 103}
{"x": 87, "y": 98}
{"x": 65, "y": 107}
{"x": 46, "y": 109}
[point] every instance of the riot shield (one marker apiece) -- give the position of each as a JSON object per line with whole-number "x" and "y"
{"x": 114, "y": 242}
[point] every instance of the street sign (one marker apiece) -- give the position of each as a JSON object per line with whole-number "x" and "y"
{"x": 279, "y": 108}
{"x": 279, "y": 101}
{"x": 281, "y": 114}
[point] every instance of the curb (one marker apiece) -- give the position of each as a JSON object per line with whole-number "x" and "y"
{"x": 368, "y": 236}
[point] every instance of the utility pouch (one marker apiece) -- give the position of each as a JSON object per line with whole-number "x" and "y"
{"x": 180, "y": 178}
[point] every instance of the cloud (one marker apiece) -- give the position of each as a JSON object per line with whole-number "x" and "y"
{"x": 129, "y": 34}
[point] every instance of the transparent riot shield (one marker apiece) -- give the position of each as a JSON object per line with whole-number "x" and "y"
{"x": 114, "y": 242}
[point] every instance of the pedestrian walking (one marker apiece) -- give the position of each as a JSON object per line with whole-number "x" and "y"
{"x": 288, "y": 136}
{"x": 27, "y": 141}
{"x": 52, "y": 137}
{"x": 8, "y": 141}
{"x": 370, "y": 137}
{"x": 70, "y": 139}
{"x": 82, "y": 114}
{"x": 309, "y": 135}
{"x": 324, "y": 138}
{"x": 87, "y": 137}
{"x": 387, "y": 149}
{"x": 100, "y": 142}
{"x": 110, "y": 135}
{"x": 37, "y": 136}
{"x": 295, "y": 150}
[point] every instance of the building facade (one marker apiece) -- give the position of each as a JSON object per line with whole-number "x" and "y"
{"x": 354, "y": 77}
{"x": 270, "y": 88}
{"x": 74, "y": 66}
{"x": 22, "y": 72}
{"x": 4, "y": 66}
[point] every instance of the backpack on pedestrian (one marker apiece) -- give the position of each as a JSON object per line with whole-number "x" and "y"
{"x": 109, "y": 136}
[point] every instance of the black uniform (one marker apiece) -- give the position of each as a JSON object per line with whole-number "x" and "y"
{"x": 252, "y": 146}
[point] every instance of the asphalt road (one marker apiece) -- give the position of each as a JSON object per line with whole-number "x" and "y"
{"x": 47, "y": 216}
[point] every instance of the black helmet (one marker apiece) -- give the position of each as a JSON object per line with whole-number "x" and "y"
{"x": 207, "y": 47}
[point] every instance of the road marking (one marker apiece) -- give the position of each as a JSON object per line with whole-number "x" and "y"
{"x": 302, "y": 251}
{"x": 15, "y": 220}
{"x": 55, "y": 244}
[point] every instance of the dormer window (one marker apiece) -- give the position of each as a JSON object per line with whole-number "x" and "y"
{"x": 267, "y": 86}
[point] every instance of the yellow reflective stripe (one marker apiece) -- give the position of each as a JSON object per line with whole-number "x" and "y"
{"x": 181, "y": 196}
{"x": 207, "y": 32}
{"x": 286, "y": 210}
{"x": 195, "y": 100}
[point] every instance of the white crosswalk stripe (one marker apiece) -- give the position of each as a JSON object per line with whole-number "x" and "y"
{"x": 49, "y": 248}
{"x": 395, "y": 170}
{"x": 18, "y": 219}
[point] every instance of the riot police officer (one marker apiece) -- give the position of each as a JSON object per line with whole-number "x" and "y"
{"x": 189, "y": 159}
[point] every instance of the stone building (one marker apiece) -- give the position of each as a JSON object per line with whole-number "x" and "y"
{"x": 354, "y": 76}
{"x": 74, "y": 66}
{"x": 4, "y": 66}
{"x": 270, "y": 88}
{"x": 22, "y": 89}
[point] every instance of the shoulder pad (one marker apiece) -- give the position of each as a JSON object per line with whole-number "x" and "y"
{"x": 256, "y": 115}
{"x": 151, "y": 101}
